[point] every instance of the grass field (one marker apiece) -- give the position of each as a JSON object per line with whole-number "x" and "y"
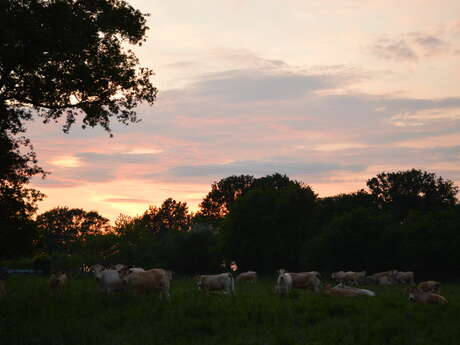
{"x": 82, "y": 315}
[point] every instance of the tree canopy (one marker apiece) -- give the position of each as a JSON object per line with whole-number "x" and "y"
{"x": 412, "y": 190}
{"x": 68, "y": 58}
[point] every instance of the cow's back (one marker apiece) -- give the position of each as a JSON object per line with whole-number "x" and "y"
{"x": 153, "y": 279}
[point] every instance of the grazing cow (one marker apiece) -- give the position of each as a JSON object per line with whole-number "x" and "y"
{"x": 362, "y": 292}
{"x": 283, "y": 283}
{"x": 58, "y": 281}
{"x": 249, "y": 276}
{"x": 223, "y": 282}
{"x": 429, "y": 286}
{"x": 109, "y": 280}
{"x": 335, "y": 291}
{"x": 404, "y": 277}
{"x": 419, "y": 296}
{"x": 304, "y": 280}
{"x": 156, "y": 279}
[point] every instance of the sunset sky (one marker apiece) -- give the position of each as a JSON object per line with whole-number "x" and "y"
{"x": 329, "y": 92}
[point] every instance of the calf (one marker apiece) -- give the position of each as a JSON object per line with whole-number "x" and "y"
{"x": 419, "y": 296}
{"x": 283, "y": 282}
{"x": 429, "y": 286}
{"x": 249, "y": 276}
{"x": 223, "y": 282}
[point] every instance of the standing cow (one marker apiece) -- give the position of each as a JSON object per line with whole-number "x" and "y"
{"x": 109, "y": 280}
{"x": 249, "y": 276}
{"x": 283, "y": 283}
{"x": 305, "y": 280}
{"x": 223, "y": 282}
{"x": 156, "y": 279}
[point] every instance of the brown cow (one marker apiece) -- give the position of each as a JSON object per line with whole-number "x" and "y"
{"x": 419, "y": 296}
{"x": 304, "y": 280}
{"x": 155, "y": 279}
{"x": 249, "y": 276}
{"x": 220, "y": 283}
{"x": 429, "y": 286}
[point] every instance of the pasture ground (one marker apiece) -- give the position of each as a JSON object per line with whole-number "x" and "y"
{"x": 83, "y": 316}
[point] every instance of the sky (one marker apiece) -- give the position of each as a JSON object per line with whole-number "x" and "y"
{"x": 329, "y": 92}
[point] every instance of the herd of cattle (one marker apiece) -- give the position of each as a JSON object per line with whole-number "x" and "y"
{"x": 136, "y": 279}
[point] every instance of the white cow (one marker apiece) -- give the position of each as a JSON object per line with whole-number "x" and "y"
{"x": 216, "y": 283}
{"x": 363, "y": 292}
{"x": 109, "y": 280}
{"x": 283, "y": 283}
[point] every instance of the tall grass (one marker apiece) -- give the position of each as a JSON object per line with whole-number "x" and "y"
{"x": 82, "y": 315}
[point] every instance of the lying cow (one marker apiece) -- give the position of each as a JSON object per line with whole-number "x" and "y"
{"x": 419, "y": 296}
{"x": 109, "y": 280}
{"x": 335, "y": 291}
{"x": 361, "y": 292}
{"x": 223, "y": 282}
{"x": 249, "y": 276}
{"x": 403, "y": 277}
{"x": 57, "y": 282}
{"x": 156, "y": 279}
{"x": 429, "y": 286}
{"x": 283, "y": 283}
{"x": 305, "y": 280}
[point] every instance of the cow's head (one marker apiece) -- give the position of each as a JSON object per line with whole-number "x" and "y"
{"x": 412, "y": 291}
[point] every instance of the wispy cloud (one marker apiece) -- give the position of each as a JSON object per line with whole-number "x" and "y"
{"x": 410, "y": 47}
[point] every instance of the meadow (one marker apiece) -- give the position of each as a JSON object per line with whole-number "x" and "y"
{"x": 255, "y": 315}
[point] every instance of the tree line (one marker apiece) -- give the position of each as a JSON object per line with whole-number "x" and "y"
{"x": 406, "y": 219}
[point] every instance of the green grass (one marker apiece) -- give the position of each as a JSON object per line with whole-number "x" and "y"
{"x": 82, "y": 315}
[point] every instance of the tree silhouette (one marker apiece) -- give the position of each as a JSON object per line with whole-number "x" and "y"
{"x": 413, "y": 189}
{"x": 67, "y": 58}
